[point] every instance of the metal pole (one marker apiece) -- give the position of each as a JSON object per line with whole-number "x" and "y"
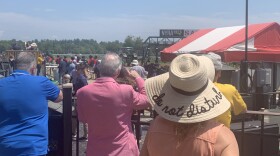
{"x": 242, "y": 135}
{"x": 246, "y": 51}
{"x": 246, "y": 33}
{"x": 157, "y": 51}
{"x": 262, "y": 134}
{"x": 274, "y": 85}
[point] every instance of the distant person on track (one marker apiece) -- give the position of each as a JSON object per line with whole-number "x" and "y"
{"x": 62, "y": 69}
{"x": 40, "y": 61}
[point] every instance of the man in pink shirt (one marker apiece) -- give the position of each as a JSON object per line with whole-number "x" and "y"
{"x": 107, "y": 106}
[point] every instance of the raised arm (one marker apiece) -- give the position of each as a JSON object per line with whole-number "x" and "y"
{"x": 140, "y": 100}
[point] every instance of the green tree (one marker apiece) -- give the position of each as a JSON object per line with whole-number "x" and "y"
{"x": 76, "y": 46}
{"x": 129, "y": 41}
{"x": 135, "y": 42}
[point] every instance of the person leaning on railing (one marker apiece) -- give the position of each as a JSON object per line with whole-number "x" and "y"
{"x": 24, "y": 109}
{"x": 231, "y": 93}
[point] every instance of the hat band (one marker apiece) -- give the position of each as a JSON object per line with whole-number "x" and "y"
{"x": 190, "y": 93}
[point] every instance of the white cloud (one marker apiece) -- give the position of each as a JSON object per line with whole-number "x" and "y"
{"x": 44, "y": 9}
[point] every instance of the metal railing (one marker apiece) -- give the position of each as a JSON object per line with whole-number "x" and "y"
{"x": 261, "y": 115}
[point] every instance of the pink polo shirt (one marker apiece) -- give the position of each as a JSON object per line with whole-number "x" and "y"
{"x": 107, "y": 108}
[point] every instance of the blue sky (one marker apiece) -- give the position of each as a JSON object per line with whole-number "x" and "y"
{"x": 110, "y": 20}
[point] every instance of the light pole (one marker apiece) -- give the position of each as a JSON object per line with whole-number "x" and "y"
{"x": 244, "y": 74}
{"x": 246, "y": 32}
{"x": 246, "y": 47}
{"x": 244, "y": 63}
{"x": 156, "y": 55}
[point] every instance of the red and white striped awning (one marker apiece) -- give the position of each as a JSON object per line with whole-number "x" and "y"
{"x": 263, "y": 43}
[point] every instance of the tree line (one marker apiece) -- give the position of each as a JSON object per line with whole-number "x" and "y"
{"x": 76, "y": 46}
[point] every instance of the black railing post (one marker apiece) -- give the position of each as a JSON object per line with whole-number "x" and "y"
{"x": 78, "y": 134}
{"x": 67, "y": 116}
{"x": 242, "y": 135}
{"x": 262, "y": 133}
{"x": 274, "y": 83}
{"x": 44, "y": 69}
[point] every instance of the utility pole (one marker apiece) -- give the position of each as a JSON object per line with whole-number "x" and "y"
{"x": 244, "y": 63}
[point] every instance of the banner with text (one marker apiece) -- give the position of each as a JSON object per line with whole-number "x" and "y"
{"x": 176, "y": 32}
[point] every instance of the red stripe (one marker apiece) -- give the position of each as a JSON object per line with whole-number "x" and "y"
{"x": 238, "y": 37}
{"x": 237, "y": 56}
{"x": 270, "y": 40}
{"x": 186, "y": 41}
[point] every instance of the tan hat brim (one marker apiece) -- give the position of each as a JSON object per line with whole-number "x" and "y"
{"x": 177, "y": 107}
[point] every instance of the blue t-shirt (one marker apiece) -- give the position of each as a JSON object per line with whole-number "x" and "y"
{"x": 24, "y": 113}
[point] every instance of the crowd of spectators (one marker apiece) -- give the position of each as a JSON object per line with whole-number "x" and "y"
{"x": 68, "y": 65}
{"x": 186, "y": 97}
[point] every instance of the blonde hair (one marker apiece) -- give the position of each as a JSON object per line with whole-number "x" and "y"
{"x": 182, "y": 130}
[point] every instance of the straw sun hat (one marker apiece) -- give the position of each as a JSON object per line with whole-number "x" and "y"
{"x": 185, "y": 94}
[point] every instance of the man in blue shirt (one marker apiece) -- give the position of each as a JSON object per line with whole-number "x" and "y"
{"x": 24, "y": 110}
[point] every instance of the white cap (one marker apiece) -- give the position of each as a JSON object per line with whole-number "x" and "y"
{"x": 216, "y": 59}
{"x": 134, "y": 62}
{"x": 33, "y": 45}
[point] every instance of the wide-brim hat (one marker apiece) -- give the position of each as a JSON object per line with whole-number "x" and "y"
{"x": 185, "y": 94}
